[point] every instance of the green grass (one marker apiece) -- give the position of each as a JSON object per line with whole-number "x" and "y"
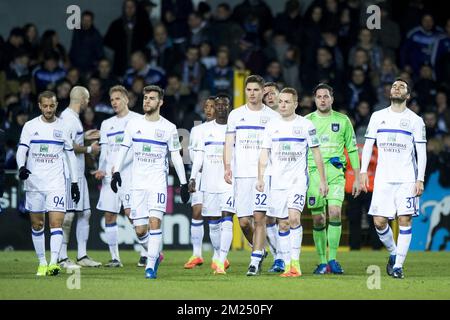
{"x": 427, "y": 277}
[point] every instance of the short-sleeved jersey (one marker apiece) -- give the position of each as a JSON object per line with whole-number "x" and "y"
{"x": 150, "y": 143}
{"x": 248, "y": 126}
{"x": 46, "y": 143}
{"x": 395, "y": 135}
{"x": 193, "y": 143}
{"x": 72, "y": 122}
{"x": 288, "y": 142}
{"x": 334, "y": 133}
{"x": 211, "y": 143}
{"x": 112, "y": 131}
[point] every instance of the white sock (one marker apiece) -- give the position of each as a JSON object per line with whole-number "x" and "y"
{"x": 226, "y": 237}
{"x": 143, "y": 252}
{"x": 66, "y": 227}
{"x": 403, "y": 241}
{"x": 272, "y": 235}
{"x": 154, "y": 243}
{"x": 83, "y": 232}
{"x": 144, "y": 241}
{"x": 38, "y": 237}
{"x": 56, "y": 237}
{"x": 112, "y": 233}
{"x": 387, "y": 238}
{"x": 214, "y": 235}
{"x": 284, "y": 243}
{"x": 256, "y": 257}
{"x": 197, "y": 233}
{"x": 296, "y": 242}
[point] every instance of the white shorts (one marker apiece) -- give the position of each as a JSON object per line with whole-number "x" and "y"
{"x": 84, "y": 203}
{"x": 283, "y": 200}
{"x": 389, "y": 199}
{"x": 248, "y": 199}
{"x": 143, "y": 202}
{"x": 197, "y": 198}
{"x": 112, "y": 202}
{"x": 45, "y": 201}
{"x": 216, "y": 203}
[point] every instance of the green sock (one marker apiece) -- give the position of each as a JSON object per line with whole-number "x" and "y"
{"x": 320, "y": 241}
{"x": 334, "y": 236}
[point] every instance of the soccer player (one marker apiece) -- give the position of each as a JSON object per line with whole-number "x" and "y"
{"x": 218, "y": 198}
{"x": 150, "y": 138}
{"x": 270, "y": 99}
{"x": 111, "y": 136}
{"x": 399, "y": 176}
{"x": 246, "y": 125}
{"x": 43, "y": 143}
{"x": 285, "y": 144}
{"x": 79, "y": 99}
{"x": 197, "y": 230}
{"x": 334, "y": 131}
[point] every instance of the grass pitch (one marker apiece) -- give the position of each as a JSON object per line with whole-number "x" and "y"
{"x": 427, "y": 276}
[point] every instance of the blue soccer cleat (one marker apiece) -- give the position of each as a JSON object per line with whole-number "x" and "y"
{"x": 157, "y": 264}
{"x": 397, "y": 273}
{"x": 277, "y": 266}
{"x": 150, "y": 273}
{"x": 321, "y": 269}
{"x": 335, "y": 267}
{"x": 390, "y": 265}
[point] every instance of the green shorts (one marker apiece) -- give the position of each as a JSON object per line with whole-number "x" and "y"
{"x": 336, "y": 184}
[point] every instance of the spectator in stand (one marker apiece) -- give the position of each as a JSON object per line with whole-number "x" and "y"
{"x": 106, "y": 77}
{"x": 431, "y": 125}
{"x": 367, "y": 42}
{"x": 73, "y": 76}
{"x": 13, "y": 45}
{"x": 174, "y": 15}
{"x": 425, "y": 87}
{"x": 128, "y": 33}
{"x": 220, "y": 78}
{"x": 50, "y": 43}
{"x": 440, "y": 57}
{"x": 358, "y": 89}
{"x": 250, "y": 54}
{"x": 254, "y": 16}
{"x": 191, "y": 71}
{"x": 87, "y": 45}
{"x": 63, "y": 95}
{"x": 291, "y": 68}
{"x": 289, "y": 22}
{"x": 274, "y": 73}
{"x": 388, "y": 36}
{"x": 207, "y": 56}
{"x": 31, "y": 42}
{"x": 140, "y": 67}
{"x": 48, "y": 73}
{"x": 163, "y": 52}
{"x": 179, "y": 101}
{"x": 443, "y": 111}
{"x": 198, "y": 29}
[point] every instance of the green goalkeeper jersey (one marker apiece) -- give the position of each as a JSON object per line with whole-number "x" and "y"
{"x": 334, "y": 133}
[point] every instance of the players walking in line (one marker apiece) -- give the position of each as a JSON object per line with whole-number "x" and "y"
{"x": 79, "y": 99}
{"x": 246, "y": 125}
{"x": 218, "y": 199}
{"x": 334, "y": 131}
{"x": 285, "y": 145}
{"x": 197, "y": 229}
{"x": 270, "y": 99}
{"x": 399, "y": 176}
{"x": 43, "y": 142}
{"x": 111, "y": 136}
{"x": 151, "y": 138}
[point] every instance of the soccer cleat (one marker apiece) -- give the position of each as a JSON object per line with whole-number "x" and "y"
{"x": 295, "y": 270}
{"x": 142, "y": 261}
{"x": 114, "y": 263}
{"x": 42, "y": 271}
{"x": 157, "y": 262}
{"x": 220, "y": 268}
{"x": 150, "y": 273}
{"x": 397, "y": 273}
{"x": 88, "y": 262}
{"x": 53, "y": 270}
{"x": 68, "y": 264}
{"x": 390, "y": 265}
{"x": 321, "y": 269}
{"x": 277, "y": 266}
{"x": 252, "y": 270}
{"x": 335, "y": 267}
{"x": 287, "y": 272}
{"x": 193, "y": 262}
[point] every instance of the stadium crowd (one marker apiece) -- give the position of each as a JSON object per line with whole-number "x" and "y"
{"x": 193, "y": 51}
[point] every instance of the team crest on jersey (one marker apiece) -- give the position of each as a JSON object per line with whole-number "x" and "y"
{"x": 335, "y": 127}
{"x": 404, "y": 123}
{"x": 312, "y": 201}
{"x": 312, "y": 132}
{"x": 264, "y": 120}
{"x": 159, "y": 133}
{"x": 119, "y": 138}
{"x": 57, "y": 134}
{"x": 296, "y": 131}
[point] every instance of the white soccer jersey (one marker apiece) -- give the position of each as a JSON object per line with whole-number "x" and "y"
{"x": 73, "y": 124}
{"x": 211, "y": 143}
{"x": 395, "y": 134}
{"x": 46, "y": 143}
{"x": 288, "y": 142}
{"x": 150, "y": 143}
{"x": 193, "y": 142}
{"x": 111, "y": 133}
{"x": 248, "y": 126}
